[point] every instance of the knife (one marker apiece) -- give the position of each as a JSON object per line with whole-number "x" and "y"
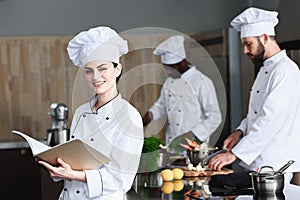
{"x": 208, "y": 158}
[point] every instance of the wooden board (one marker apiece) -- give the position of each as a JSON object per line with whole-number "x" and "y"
{"x": 194, "y": 173}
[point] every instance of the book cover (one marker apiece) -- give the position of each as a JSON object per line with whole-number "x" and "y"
{"x": 78, "y": 154}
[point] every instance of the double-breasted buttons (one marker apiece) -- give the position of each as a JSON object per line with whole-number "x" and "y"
{"x": 92, "y": 139}
{"x": 72, "y": 136}
{"x": 84, "y": 115}
{"x": 77, "y": 191}
{"x": 107, "y": 118}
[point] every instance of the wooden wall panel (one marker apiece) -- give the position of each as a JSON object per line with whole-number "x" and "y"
{"x": 35, "y": 72}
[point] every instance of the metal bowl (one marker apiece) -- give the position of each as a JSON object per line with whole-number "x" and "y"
{"x": 196, "y": 156}
{"x": 163, "y": 160}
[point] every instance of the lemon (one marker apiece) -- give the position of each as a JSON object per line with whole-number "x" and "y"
{"x": 178, "y": 173}
{"x": 167, "y": 187}
{"x": 178, "y": 185}
{"x": 167, "y": 175}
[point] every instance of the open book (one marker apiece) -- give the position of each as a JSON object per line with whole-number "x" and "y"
{"x": 79, "y": 155}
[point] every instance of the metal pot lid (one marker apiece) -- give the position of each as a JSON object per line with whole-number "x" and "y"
{"x": 271, "y": 171}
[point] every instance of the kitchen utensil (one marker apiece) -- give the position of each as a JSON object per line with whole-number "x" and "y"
{"x": 208, "y": 158}
{"x": 57, "y": 136}
{"x": 202, "y": 155}
{"x": 269, "y": 196}
{"x": 269, "y": 181}
{"x": 284, "y": 167}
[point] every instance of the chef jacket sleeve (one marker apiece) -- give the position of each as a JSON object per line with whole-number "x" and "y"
{"x": 210, "y": 115}
{"x": 271, "y": 116}
{"x": 158, "y": 110}
{"x": 243, "y": 126}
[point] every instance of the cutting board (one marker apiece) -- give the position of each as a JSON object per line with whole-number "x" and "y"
{"x": 194, "y": 173}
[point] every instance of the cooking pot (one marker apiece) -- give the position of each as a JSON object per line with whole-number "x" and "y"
{"x": 269, "y": 181}
{"x": 269, "y": 196}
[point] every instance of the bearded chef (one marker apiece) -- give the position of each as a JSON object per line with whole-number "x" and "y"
{"x": 269, "y": 134}
{"x": 188, "y": 97}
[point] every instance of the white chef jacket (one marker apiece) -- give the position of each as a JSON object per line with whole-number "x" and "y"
{"x": 271, "y": 128}
{"x": 190, "y": 103}
{"x": 116, "y": 130}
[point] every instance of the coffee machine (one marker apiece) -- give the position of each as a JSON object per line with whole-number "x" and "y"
{"x": 58, "y": 133}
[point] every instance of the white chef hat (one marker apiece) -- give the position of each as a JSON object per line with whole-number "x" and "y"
{"x": 171, "y": 50}
{"x": 100, "y": 43}
{"x": 255, "y": 22}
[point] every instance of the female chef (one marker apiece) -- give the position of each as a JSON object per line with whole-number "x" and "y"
{"x": 269, "y": 134}
{"x": 108, "y": 122}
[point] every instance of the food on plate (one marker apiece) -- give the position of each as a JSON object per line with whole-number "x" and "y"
{"x": 167, "y": 175}
{"x": 191, "y": 167}
{"x": 191, "y": 193}
{"x": 167, "y": 187}
{"x": 199, "y": 168}
{"x": 178, "y": 185}
{"x": 178, "y": 173}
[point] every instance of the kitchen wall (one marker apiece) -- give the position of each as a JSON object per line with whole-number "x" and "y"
{"x": 34, "y": 66}
{"x": 34, "y": 17}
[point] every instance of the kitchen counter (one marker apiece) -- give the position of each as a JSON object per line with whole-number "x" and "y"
{"x": 22, "y": 177}
{"x": 16, "y": 144}
{"x": 150, "y": 186}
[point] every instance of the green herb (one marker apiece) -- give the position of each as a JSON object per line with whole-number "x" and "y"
{"x": 152, "y": 144}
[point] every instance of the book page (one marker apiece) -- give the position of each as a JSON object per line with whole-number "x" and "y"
{"x": 79, "y": 155}
{"x": 35, "y": 145}
{"x": 76, "y": 153}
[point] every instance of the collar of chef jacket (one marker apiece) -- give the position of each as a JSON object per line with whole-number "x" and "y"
{"x": 275, "y": 58}
{"x": 94, "y": 100}
{"x": 189, "y": 72}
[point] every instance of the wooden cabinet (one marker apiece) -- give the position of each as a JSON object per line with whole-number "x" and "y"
{"x": 23, "y": 178}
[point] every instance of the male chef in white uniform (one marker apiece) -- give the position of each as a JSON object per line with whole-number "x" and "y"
{"x": 270, "y": 133}
{"x": 187, "y": 97}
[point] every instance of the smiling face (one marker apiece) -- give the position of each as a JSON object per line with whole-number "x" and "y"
{"x": 101, "y": 77}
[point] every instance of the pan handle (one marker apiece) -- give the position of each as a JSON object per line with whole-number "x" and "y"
{"x": 284, "y": 167}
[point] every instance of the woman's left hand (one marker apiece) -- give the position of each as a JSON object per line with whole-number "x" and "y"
{"x": 63, "y": 171}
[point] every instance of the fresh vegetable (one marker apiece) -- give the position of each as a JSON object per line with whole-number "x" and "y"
{"x": 152, "y": 144}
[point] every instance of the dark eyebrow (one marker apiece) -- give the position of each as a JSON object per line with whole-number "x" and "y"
{"x": 101, "y": 65}
{"x": 96, "y": 67}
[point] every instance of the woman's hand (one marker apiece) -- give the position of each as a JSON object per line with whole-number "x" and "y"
{"x": 63, "y": 171}
{"x": 232, "y": 140}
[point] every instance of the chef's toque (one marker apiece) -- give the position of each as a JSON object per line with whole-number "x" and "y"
{"x": 171, "y": 50}
{"x": 100, "y": 43}
{"x": 255, "y": 22}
